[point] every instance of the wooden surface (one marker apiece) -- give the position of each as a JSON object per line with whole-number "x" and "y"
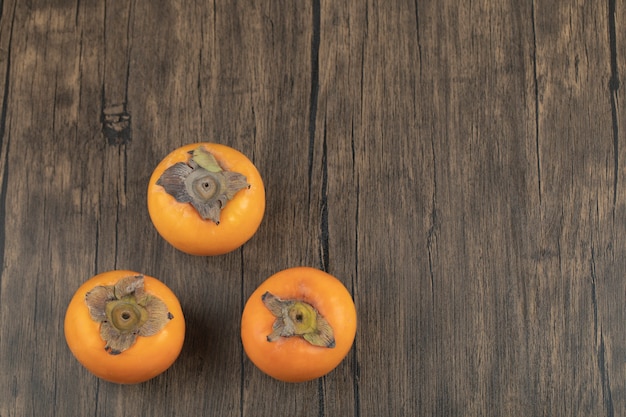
{"x": 459, "y": 166}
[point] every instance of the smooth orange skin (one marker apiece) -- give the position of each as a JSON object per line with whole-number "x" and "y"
{"x": 293, "y": 359}
{"x": 146, "y": 358}
{"x": 181, "y": 225}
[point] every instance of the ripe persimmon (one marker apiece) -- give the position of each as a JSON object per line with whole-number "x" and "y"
{"x": 206, "y": 199}
{"x": 299, "y": 324}
{"x": 124, "y": 327}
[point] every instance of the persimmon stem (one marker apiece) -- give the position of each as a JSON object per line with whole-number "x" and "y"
{"x": 203, "y": 183}
{"x": 298, "y": 318}
{"x": 125, "y": 311}
{"x": 126, "y": 315}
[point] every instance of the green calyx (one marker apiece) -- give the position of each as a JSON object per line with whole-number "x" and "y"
{"x": 125, "y": 314}
{"x": 298, "y": 318}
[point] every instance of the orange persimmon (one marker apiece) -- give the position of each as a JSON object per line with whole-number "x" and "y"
{"x": 299, "y": 324}
{"x": 124, "y": 327}
{"x": 206, "y": 199}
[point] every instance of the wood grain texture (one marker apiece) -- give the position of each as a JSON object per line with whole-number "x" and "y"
{"x": 458, "y": 166}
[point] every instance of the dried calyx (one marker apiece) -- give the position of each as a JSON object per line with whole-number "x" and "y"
{"x": 203, "y": 183}
{"x": 298, "y": 318}
{"x": 125, "y": 311}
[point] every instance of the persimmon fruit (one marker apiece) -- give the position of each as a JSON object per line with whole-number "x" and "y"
{"x": 124, "y": 327}
{"x": 299, "y": 324}
{"x": 206, "y": 198}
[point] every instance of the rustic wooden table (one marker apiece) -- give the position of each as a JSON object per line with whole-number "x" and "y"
{"x": 459, "y": 166}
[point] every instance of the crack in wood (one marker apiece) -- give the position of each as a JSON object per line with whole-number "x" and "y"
{"x": 613, "y": 88}
{"x": 116, "y": 125}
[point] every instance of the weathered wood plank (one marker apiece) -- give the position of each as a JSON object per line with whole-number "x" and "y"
{"x": 579, "y": 162}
